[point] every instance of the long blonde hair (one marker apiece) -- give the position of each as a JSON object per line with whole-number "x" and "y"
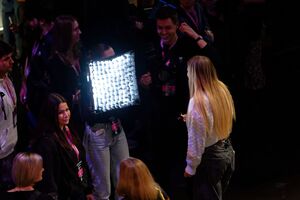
{"x": 26, "y": 168}
{"x": 135, "y": 181}
{"x": 204, "y": 82}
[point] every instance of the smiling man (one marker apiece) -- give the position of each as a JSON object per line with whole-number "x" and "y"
{"x": 168, "y": 80}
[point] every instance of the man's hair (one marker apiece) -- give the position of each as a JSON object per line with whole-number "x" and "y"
{"x": 166, "y": 12}
{"x": 5, "y": 49}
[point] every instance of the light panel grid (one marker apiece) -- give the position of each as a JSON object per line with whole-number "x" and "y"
{"x": 113, "y": 83}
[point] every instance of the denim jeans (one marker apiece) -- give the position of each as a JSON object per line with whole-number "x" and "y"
{"x": 104, "y": 154}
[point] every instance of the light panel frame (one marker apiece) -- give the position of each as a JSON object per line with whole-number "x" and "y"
{"x": 113, "y": 82}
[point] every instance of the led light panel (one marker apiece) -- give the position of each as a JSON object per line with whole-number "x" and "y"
{"x": 113, "y": 83}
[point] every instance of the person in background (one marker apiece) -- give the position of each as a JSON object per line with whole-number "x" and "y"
{"x": 8, "y": 116}
{"x": 27, "y": 170}
{"x": 8, "y": 15}
{"x": 105, "y": 141}
{"x": 192, "y": 12}
{"x": 35, "y": 83}
{"x": 210, "y": 156}
{"x": 137, "y": 183}
{"x": 12, "y": 20}
{"x": 64, "y": 65}
{"x": 66, "y": 171}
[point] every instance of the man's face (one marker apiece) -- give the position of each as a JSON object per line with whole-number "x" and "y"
{"x": 6, "y": 64}
{"x": 166, "y": 30}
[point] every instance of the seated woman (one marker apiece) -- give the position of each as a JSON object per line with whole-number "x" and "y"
{"x": 26, "y": 171}
{"x": 137, "y": 183}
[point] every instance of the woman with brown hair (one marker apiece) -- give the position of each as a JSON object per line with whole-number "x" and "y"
{"x": 64, "y": 65}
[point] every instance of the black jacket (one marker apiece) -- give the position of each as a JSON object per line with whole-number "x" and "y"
{"x": 61, "y": 173}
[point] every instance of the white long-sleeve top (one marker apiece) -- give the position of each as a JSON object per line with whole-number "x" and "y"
{"x": 198, "y": 139}
{"x": 8, "y": 118}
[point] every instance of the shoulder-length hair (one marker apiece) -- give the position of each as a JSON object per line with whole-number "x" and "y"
{"x": 26, "y": 168}
{"x": 62, "y": 34}
{"x": 204, "y": 82}
{"x": 135, "y": 181}
{"x": 49, "y": 123}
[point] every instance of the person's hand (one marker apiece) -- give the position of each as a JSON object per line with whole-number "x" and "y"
{"x": 183, "y": 116}
{"x": 139, "y": 25}
{"x": 90, "y": 197}
{"x": 185, "y": 28}
{"x": 187, "y": 175}
{"x": 146, "y": 80}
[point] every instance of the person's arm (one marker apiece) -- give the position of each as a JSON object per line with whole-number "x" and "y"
{"x": 185, "y": 28}
{"x": 202, "y": 47}
{"x": 196, "y": 141}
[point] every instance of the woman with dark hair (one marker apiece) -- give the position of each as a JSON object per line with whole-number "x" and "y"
{"x": 64, "y": 67}
{"x": 66, "y": 172}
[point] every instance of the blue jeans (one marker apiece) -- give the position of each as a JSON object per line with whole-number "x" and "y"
{"x": 104, "y": 154}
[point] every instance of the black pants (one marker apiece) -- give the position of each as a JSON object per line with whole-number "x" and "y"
{"x": 213, "y": 174}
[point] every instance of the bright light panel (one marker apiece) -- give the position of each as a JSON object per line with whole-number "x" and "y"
{"x": 113, "y": 82}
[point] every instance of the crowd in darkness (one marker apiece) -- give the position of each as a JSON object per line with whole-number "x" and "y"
{"x": 253, "y": 56}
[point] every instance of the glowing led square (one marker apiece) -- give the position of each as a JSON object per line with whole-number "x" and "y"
{"x": 113, "y": 82}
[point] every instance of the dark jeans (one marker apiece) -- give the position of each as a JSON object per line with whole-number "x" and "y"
{"x": 213, "y": 174}
{"x": 6, "y": 182}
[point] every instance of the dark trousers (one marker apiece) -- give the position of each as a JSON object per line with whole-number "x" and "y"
{"x": 213, "y": 174}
